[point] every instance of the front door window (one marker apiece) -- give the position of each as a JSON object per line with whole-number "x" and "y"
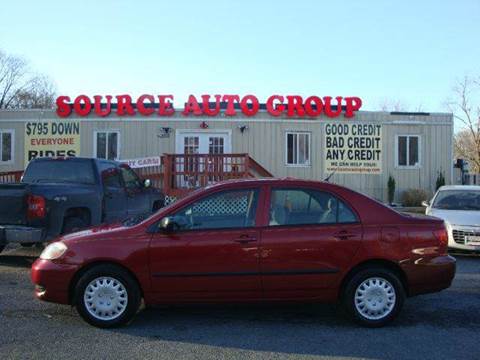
{"x": 226, "y": 210}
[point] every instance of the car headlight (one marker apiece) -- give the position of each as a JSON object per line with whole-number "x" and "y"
{"x": 53, "y": 251}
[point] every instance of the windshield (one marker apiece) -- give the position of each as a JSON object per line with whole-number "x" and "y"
{"x": 59, "y": 171}
{"x": 457, "y": 200}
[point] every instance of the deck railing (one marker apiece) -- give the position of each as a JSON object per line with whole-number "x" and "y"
{"x": 10, "y": 177}
{"x": 186, "y": 172}
{"x": 179, "y": 174}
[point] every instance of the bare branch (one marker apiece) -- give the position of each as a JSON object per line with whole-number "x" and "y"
{"x": 20, "y": 88}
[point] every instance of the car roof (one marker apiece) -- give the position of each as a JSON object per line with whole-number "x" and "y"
{"x": 459, "y": 187}
{"x": 268, "y": 181}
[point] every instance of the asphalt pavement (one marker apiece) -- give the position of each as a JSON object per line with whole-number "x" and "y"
{"x": 445, "y": 325}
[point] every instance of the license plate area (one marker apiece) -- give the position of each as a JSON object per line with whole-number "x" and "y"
{"x": 472, "y": 240}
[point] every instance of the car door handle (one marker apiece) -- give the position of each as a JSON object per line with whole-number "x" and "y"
{"x": 344, "y": 235}
{"x": 245, "y": 239}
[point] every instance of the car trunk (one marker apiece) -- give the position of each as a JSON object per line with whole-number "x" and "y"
{"x": 13, "y": 206}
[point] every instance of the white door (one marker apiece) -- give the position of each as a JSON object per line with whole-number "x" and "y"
{"x": 201, "y": 142}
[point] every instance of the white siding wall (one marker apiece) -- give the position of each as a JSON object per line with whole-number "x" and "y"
{"x": 264, "y": 140}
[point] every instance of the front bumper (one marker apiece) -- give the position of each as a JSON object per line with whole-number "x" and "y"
{"x": 20, "y": 234}
{"x": 458, "y": 237}
{"x": 428, "y": 275}
{"x": 52, "y": 280}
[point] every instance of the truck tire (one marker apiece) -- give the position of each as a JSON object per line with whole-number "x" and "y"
{"x": 107, "y": 296}
{"x": 2, "y": 247}
{"x": 73, "y": 224}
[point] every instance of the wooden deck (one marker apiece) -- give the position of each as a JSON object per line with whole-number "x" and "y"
{"x": 179, "y": 174}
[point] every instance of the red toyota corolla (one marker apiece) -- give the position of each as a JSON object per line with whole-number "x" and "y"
{"x": 250, "y": 241}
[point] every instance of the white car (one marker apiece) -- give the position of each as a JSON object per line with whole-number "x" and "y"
{"x": 459, "y": 207}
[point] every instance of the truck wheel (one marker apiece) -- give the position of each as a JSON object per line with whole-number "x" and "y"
{"x": 107, "y": 296}
{"x": 73, "y": 224}
{"x": 2, "y": 247}
{"x": 374, "y": 296}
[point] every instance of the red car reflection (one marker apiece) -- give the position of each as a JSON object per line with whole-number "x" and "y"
{"x": 250, "y": 241}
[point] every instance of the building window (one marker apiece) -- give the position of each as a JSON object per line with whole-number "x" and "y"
{"x": 408, "y": 151}
{"x": 298, "y": 148}
{"x": 6, "y": 146}
{"x": 107, "y": 145}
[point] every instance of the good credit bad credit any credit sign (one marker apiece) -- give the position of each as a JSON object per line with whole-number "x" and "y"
{"x": 353, "y": 148}
{"x": 52, "y": 139}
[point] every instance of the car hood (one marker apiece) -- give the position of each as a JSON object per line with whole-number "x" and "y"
{"x": 457, "y": 217}
{"x": 94, "y": 233}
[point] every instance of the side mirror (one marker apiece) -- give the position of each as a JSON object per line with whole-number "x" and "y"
{"x": 425, "y": 203}
{"x": 147, "y": 183}
{"x": 167, "y": 224}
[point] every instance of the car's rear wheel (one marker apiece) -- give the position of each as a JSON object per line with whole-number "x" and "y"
{"x": 2, "y": 247}
{"x": 107, "y": 296}
{"x": 374, "y": 296}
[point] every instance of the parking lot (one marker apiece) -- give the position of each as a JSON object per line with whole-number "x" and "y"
{"x": 444, "y": 325}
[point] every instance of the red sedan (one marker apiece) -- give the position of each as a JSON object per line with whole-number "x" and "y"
{"x": 250, "y": 241}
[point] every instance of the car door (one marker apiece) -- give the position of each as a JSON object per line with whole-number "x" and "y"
{"x": 138, "y": 200}
{"x": 213, "y": 254}
{"x": 114, "y": 194}
{"x": 310, "y": 238}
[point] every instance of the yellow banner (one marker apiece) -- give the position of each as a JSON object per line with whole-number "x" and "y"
{"x": 353, "y": 148}
{"x": 59, "y": 138}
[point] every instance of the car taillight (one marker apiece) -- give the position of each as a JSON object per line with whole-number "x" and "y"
{"x": 442, "y": 236}
{"x": 36, "y": 207}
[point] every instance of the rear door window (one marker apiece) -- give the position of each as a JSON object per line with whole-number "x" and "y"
{"x": 306, "y": 206}
{"x": 110, "y": 175}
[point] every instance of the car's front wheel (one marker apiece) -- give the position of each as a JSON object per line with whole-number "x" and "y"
{"x": 374, "y": 296}
{"x": 107, "y": 296}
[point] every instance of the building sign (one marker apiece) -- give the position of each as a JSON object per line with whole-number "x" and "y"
{"x": 143, "y": 162}
{"x": 162, "y": 105}
{"x": 51, "y": 139}
{"x": 353, "y": 148}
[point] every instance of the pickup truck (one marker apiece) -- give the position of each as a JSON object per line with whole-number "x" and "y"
{"x": 62, "y": 195}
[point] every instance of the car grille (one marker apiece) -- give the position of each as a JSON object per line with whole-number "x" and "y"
{"x": 459, "y": 235}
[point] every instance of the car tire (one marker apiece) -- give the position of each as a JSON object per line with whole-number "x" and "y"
{"x": 2, "y": 247}
{"x": 107, "y": 296}
{"x": 373, "y": 297}
{"x": 73, "y": 224}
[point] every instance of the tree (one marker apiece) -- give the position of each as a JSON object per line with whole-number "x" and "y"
{"x": 20, "y": 87}
{"x": 466, "y": 110}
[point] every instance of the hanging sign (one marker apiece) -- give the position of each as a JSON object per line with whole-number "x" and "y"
{"x": 352, "y": 148}
{"x": 51, "y": 139}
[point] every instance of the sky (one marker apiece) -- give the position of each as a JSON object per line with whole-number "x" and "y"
{"x": 406, "y": 51}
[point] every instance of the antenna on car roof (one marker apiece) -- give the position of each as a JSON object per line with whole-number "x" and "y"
{"x": 327, "y": 179}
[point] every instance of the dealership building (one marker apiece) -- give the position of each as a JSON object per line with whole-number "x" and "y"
{"x": 359, "y": 151}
